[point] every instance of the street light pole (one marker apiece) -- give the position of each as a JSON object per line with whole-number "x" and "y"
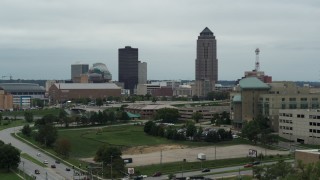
{"x": 111, "y": 166}
{"x": 24, "y": 174}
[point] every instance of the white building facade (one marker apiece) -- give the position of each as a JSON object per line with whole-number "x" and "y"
{"x": 300, "y": 125}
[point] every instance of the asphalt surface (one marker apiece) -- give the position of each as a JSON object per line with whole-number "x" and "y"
{"x": 58, "y": 173}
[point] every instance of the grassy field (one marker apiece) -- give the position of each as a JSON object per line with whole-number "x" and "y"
{"x": 86, "y": 142}
{"x": 11, "y": 123}
{"x": 8, "y": 175}
{"x": 35, "y": 112}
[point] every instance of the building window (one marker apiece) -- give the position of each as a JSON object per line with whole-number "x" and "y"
{"x": 310, "y": 130}
{"x": 292, "y": 99}
{"x": 303, "y": 99}
{"x": 283, "y": 99}
{"x": 292, "y": 106}
{"x": 303, "y": 106}
{"x": 310, "y": 123}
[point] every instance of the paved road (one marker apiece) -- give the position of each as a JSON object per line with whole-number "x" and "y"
{"x": 217, "y": 170}
{"x": 59, "y": 173}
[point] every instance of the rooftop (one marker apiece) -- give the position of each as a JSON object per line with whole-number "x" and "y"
{"x": 21, "y": 87}
{"x": 252, "y": 83}
{"x": 86, "y": 86}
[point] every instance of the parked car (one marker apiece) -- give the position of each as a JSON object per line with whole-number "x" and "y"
{"x": 37, "y": 171}
{"x": 45, "y": 162}
{"x": 57, "y": 162}
{"x": 53, "y": 166}
{"x": 157, "y": 174}
{"x": 67, "y": 169}
{"x": 206, "y": 170}
{"x": 248, "y": 165}
{"x": 38, "y": 154}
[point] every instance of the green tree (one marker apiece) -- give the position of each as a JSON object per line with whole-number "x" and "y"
{"x": 9, "y": 157}
{"x": 112, "y": 116}
{"x": 124, "y": 116}
{"x": 47, "y": 134}
{"x": 195, "y": 98}
{"x": 218, "y": 95}
{"x": 168, "y": 115}
{"x": 148, "y": 96}
{"x": 251, "y": 131}
{"x": 154, "y": 99}
{"x": 212, "y": 136}
{"x": 63, "y": 147}
{"x": 38, "y": 102}
{"x": 196, "y": 116}
{"x": 112, "y": 156}
{"x": 26, "y": 130}
{"x": 99, "y": 101}
{"x": 148, "y": 126}
{"x": 28, "y": 116}
{"x": 191, "y": 130}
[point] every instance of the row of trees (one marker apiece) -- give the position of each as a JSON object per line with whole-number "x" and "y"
{"x": 9, "y": 156}
{"x": 258, "y": 130}
{"x": 284, "y": 171}
{"x": 188, "y": 131}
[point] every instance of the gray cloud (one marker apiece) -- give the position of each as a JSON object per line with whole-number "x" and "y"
{"x": 42, "y": 38}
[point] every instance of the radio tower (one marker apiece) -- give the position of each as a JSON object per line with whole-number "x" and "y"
{"x": 257, "y": 60}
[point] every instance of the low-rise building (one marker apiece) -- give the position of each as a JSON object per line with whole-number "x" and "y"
{"x": 60, "y": 92}
{"x": 300, "y": 125}
{"x": 23, "y": 93}
{"x": 6, "y": 100}
{"x": 206, "y": 111}
{"x": 307, "y": 156}
{"x": 146, "y": 111}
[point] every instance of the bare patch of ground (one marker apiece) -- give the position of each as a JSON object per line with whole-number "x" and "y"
{"x": 147, "y": 155}
{"x": 149, "y": 149}
{"x": 173, "y": 153}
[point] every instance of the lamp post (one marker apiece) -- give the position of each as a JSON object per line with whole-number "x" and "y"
{"x": 24, "y": 174}
{"x": 111, "y": 166}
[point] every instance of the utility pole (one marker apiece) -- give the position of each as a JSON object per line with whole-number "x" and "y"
{"x": 215, "y": 152}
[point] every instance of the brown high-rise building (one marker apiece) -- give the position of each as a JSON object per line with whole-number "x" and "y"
{"x": 206, "y": 63}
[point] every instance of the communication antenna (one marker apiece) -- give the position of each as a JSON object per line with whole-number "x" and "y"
{"x": 257, "y": 64}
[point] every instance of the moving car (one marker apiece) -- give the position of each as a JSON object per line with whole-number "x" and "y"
{"x": 67, "y": 169}
{"x": 37, "y": 171}
{"x": 157, "y": 174}
{"x": 256, "y": 162}
{"x": 45, "y": 162}
{"x": 57, "y": 162}
{"x": 248, "y": 165}
{"x": 53, "y": 166}
{"x": 206, "y": 170}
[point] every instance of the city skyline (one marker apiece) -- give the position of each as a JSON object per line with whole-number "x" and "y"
{"x": 41, "y": 39}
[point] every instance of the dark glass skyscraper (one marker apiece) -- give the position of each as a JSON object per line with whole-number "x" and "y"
{"x": 128, "y": 67}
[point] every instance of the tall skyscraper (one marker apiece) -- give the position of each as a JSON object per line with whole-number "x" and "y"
{"x": 128, "y": 67}
{"x": 206, "y": 63}
{"x": 77, "y": 70}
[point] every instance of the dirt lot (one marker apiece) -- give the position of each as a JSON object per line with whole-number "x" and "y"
{"x": 172, "y": 153}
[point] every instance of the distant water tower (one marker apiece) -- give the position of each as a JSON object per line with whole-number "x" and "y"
{"x": 257, "y": 64}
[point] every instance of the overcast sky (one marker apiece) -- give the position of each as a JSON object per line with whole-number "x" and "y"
{"x": 40, "y": 39}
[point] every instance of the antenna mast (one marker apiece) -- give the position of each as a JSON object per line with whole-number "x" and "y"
{"x": 257, "y": 67}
